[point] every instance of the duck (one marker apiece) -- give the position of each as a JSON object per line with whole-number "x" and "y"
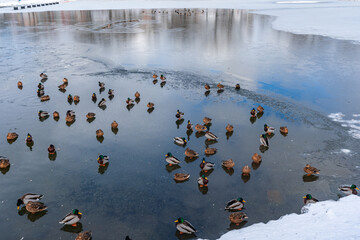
{"x": 207, "y": 86}
{"x": 180, "y": 140}
{"x": 228, "y": 163}
{"x": 70, "y": 116}
{"x": 43, "y": 114}
{"x": 309, "y": 199}
{"x": 43, "y": 76}
{"x": 65, "y": 80}
{"x": 191, "y": 153}
{"x": 200, "y": 128}
{"x": 93, "y": 97}
{"x": 169, "y": 158}
{"x": 207, "y": 120}
{"x": 348, "y": 190}
{"x": 102, "y": 160}
{"x": 20, "y": 84}
{"x": 70, "y": 113}
{"x": 235, "y": 204}
{"x": 99, "y": 133}
{"x": 189, "y": 126}
{"x": 237, "y": 217}
{"x": 111, "y": 92}
{"x": 114, "y": 124}
{"x": 35, "y": 207}
{"x": 210, "y": 151}
{"x": 264, "y": 140}
{"x": 4, "y": 162}
{"x": 203, "y": 181}
{"x": 284, "y": 130}
{"x": 179, "y": 114}
{"x": 72, "y": 218}
{"x": 129, "y": 101}
{"x": 184, "y": 226}
{"x": 150, "y": 105}
{"x": 220, "y": 86}
{"x": 180, "y": 177}
{"x": 102, "y": 102}
{"x": 12, "y": 136}
{"x": 311, "y": 170}
{"x": 29, "y": 138}
{"x": 137, "y": 94}
{"x": 40, "y": 86}
{"x": 210, "y": 136}
{"x": 101, "y": 84}
{"x": 56, "y": 114}
{"x": 268, "y": 130}
{"x": 260, "y": 109}
{"x": 155, "y": 76}
{"x": 27, "y": 198}
{"x": 162, "y": 77}
{"x": 253, "y": 112}
{"x": 51, "y": 149}
{"x": 62, "y": 86}
{"x": 40, "y": 92}
{"x": 76, "y": 98}
{"x": 229, "y": 128}
{"x": 90, "y": 115}
{"x": 87, "y": 235}
{"x": 206, "y": 166}
{"x": 256, "y": 158}
{"x": 246, "y": 170}
{"x": 45, "y": 98}
{"x": 237, "y": 86}
{"x": 70, "y": 98}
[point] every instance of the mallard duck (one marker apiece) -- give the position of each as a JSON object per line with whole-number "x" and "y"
{"x": 12, "y": 136}
{"x": 284, "y": 130}
{"x": 99, "y": 133}
{"x": 43, "y": 114}
{"x": 155, "y": 76}
{"x": 56, "y": 114}
{"x": 210, "y": 136}
{"x": 129, "y": 101}
{"x": 4, "y": 162}
{"x": 206, "y": 166}
{"x": 45, "y": 98}
{"x": 71, "y": 218}
{"x": 40, "y": 86}
{"x": 169, "y": 158}
{"x": 93, "y": 97}
{"x": 102, "y": 102}
{"x": 189, "y": 126}
{"x": 70, "y": 98}
{"x": 207, "y": 120}
{"x": 111, "y": 92}
{"x": 65, "y": 80}
{"x": 237, "y": 86}
{"x": 311, "y": 170}
{"x": 102, "y": 160}
{"x": 237, "y": 217}
{"x": 235, "y": 204}
{"x": 43, "y": 76}
{"x": 162, "y": 77}
{"x": 20, "y": 85}
{"x": 220, "y": 86}
{"x": 260, "y": 109}
{"x": 203, "y": 181}
{"x": 84, "y": 236}
{"x": 268, "y": 130}
{"x": 150, "y": 105}
{"x": 90, "y": 115}
{"x": 137, "y": 94}
{"x": 191, "y": 153}
{"x": 210, "y": 151}
{"x": 114, "y": 124}
{"x": 184, "y": 226}
{"x": 34, "y": 207}
{"x": 51, "y": 149}
{"x": 253, "y": 112}
{"x": 309, "y": 199}
{"x": 40, "y": 92}
{"x": 180, "y": 177}
{"x": 28, "y": 138}
{"x": 228, "y": 163}
{"x": 207, "y": 86}
{"x": 27, "y": 198}
{"x": 70, "y": 119}
{"x": 70, "y": 113}
{"x": 180, "y": 141}
{"x": 246, "y": 170}
{"x": 101, "y": 84}
{"x": 200, "y": 128}
{"x": 179, "y": 114}
{"x": 264, "y": 140}
{"x": 256, "y": 158}
{"x": 348, "y": 190}
{"x": 62, "y": 86}
{"x": 76, "y": 98}
{"x": 229, "y": 128}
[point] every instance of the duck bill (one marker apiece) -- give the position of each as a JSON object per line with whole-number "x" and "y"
{"x": 176, "y": 221}
{"x": 357, "y": 188}
{"x": 244, "y": 201}
{"x": 18, "y": 207}
{"x": 80, "y": 213}
{"x": 304, "y": 197}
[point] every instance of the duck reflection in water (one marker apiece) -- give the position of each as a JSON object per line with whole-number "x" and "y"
{"x": 52, "y": 157}
{"x": 71, "y": 229}
{"x": 100, "y": 139}
{"x": 179, "y": 122}
{"x": 245, "y": 178}
{"x": 233, "y": 226}
{"x": 5, "y": 170}
{"x": 172, "y": 167}
{"x": 31, "y": 216}
{"x": 102, "y": 169}
{"x": 229, "y": 171}
{"x": 310, "y": 178}
{"x": 207, "y": 93}
{"x": 185, "y": 236}
{"x": 228, "y": 135}
{"x": 252, "y": 120}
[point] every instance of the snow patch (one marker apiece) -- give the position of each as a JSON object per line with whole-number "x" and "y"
{"x": 352, "y": 124}
{"x": 346, "y": 151}
{"x": 296, "y": 2}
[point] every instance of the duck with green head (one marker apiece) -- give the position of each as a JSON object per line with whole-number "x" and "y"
{"x": 309, "y": 199}
{"x": 264, "y": 140}
{"x": 235, "y": 204}
{"x": 72, "y": 218}
{"x": 102, "y": 160}
{"x": 203, "y": 181}
{"x": 169, "y": 158}
{"x": 348, "y": 190}
{"x": 180, "y": 140}
{"x": 184, "y": 226}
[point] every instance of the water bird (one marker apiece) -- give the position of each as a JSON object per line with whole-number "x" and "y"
{"x": 210, "y": 151}
{"x": 56, "y": 114}
{"x": 93, "y": 97}
{"x": 155, "y": 76}
{"x": 184, "y": 226}
{"x": 4, "y": 162}
{"x": 102, "y": 160}
{"x": 29, "y": 138}
{"x": 203, "y": 181}
{"x": 169, "y": 158}
{"x": 237, "y": 86}
{"x": 12, "y": 136}
{"x": 207, "y": 86}
{"x": 150, "y": 105}
{"x": 76, "y": 99}
{"x": 129, "y": 101}
{"x": 253, "y": 112}
{"x": 246, "y": 170}
{"x": 101, "y": 84}
{"x": 40, "y": 86}
{"x": 220, "y": 86}
{"x": 260, "y": 109}
{"x": 311, "y": 170}
{"x": 237, "y": 217}
{"x": 264, "y": 140}
{"x": 62, "y": 86}
{"x": 210, "y": 136}
{"x": 72, "y": 218}
{"x": 284, "y": 130}
{"x": 114, "y": 124}
{"x": 256, "y": 158}
{"x": 180, "y": 177}
{"x": 70, "y": 98}
{"x": 179, "y": 114}
{"x": 65, "y": 80}
{"x": 189, "y": 126}
{"x": 235, "y": 204}
{"x": 137, "y": 94}
{"x": 200, "y": 128}
{"x": 206, "y": 166}
{"x": 90, "y": 115}
{"x": 51, "y": 149}
{"x": 20, "y": 84}
{"x": 43, "y": 76}
{"x": 207, "y": 120}
{"x": 27, "y": 198}
{"x": 43, "y": 114}
{"x": 70, "y": 116}
{"x": 40, "y": 92}
{"x": 102, "y": 102}
{"x": 180, "y": 140}
{"x": 34, "y": 207}
{"x": 111, "y": 92}
{"x": 45, "y": 98}
{"x": 84, "y": 236}
{"x": 229, "y": 128}
{"x": 348, "y": 190}
{"x": 191, "y": 153}
{"x": 228, "y": 163}
{"x": 162, "y": 77}
{"x": 309, "y": 199}
{"x": 99, "y": 133}
{"x": 268, "y": 130}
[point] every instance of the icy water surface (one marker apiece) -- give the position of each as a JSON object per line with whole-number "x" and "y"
{"x": 298, "y": 79}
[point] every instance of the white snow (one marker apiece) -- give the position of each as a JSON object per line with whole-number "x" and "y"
{"x": 321, "y": 221}
{"x": 352, "y": 124}
{"x": 346, "y": 151}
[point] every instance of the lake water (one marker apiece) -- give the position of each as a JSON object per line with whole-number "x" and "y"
{"x": 298, "y": 79}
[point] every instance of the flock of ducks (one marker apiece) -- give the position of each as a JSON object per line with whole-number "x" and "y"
{"x": 235, "y": 206}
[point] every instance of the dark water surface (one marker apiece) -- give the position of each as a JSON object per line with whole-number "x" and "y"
{"x": 298, "y": 79}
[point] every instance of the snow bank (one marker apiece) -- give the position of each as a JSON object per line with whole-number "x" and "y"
{"x": 322, "y": 221}
{"x": 352, "y": 124}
